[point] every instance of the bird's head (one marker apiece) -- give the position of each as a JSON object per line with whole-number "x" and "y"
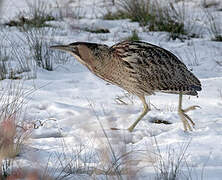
{"x": 86, "y": 53}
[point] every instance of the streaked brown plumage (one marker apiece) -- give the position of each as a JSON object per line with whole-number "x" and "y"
{"x": 140, "y": 68}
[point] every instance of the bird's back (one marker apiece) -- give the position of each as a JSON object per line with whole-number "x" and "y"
{"x": 154, "y": 69}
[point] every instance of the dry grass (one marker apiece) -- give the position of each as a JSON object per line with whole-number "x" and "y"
{"x": 71, "y": 161}
{"x": 34, "y": 174}
{"x": 215, "y": 28}
{"x": 169, "y": 165}
{"x": 134, "y": 36}
{"x": 65, "y": 10}
{"x": 116, "y": 160}
{"x": 13, "y": 130}
{"x": 138, "y": 11}
{"x": 125, "y": 98}
{"x": 15, "y": 61}
{"x": 3, "y": 63}
{"x": 192, "y": 56}
{"x": 23, "y": 52}
{"x": 171, "y": 18}
{"x": 170, "y": 108}
{"x": 156, "y": 16}
{"x": 113, "y": 159}
{"x": 39, "y": 48}
{"x": 210, "y": 3}
{"x": 37, "y": 16}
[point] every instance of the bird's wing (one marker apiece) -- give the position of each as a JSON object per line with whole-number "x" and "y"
{"x": 156, "y": 67}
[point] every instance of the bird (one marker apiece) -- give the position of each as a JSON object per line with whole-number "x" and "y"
{"x": 140, "y": 68}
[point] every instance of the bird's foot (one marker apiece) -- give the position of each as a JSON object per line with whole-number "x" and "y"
{"x": 187, "y": 121}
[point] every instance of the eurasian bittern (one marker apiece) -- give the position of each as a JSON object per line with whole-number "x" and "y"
{"x": 141, "y": 69}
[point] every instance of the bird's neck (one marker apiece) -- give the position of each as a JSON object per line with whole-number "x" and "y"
{"x": 104, "y": 69}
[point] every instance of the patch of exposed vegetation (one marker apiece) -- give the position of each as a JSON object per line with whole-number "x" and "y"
{"x": 37, "y": 21}
{"x": 115, "y": 15}
{"x": 153, "y": 16}
{"x": 97, "y": 31}
{"x": 214, "y": 26}
{"x": 36, "y": 16}
{"x": 3, "y": 63}
{"x": 136, "y": 11}
{"x": 217, "y": 38}
{"x": 134, "y": 36}
{"x": 13, "y": 130}
{"x": 209, "y": 4}
{"x": 39, "y": 49}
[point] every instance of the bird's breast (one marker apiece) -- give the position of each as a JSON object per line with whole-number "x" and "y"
{"x": 117, "y": 74}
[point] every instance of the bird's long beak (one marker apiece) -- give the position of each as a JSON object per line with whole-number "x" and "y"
{"x": 63, "y": 48}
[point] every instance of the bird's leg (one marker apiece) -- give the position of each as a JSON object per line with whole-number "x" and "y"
{"x": 184, "y": 117}
{"x": 145, "y": 110}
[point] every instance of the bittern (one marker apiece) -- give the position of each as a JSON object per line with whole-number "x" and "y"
{"x": 139, "y": 68}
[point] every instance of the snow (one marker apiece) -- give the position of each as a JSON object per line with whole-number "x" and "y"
{"x": 70, "y": 104}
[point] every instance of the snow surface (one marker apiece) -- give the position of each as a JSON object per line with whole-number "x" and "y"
{"x": 70, "y": 103}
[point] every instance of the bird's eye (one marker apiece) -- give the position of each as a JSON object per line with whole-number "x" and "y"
{"x": 76, "y": 51}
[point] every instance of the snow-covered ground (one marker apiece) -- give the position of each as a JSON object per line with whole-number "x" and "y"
{"x": 70, "y": 104}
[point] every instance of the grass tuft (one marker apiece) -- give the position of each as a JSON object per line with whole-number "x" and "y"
{"x": 115, "y": 15}
{"x": 37, "y": 22}
{"x": 137, "y": 11}
{"x": 13, "y": 130}
{"x": 169, "y": 165}
{"x": 37, "y": 16}
{"x": 134, "y": 36}
{"x": 39, "y": 48}
{"x": 210, "y": 3}
{"x": 3, "y": 63}
{"x": 154, "y": 16}
{"x": 214, "y": 26}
